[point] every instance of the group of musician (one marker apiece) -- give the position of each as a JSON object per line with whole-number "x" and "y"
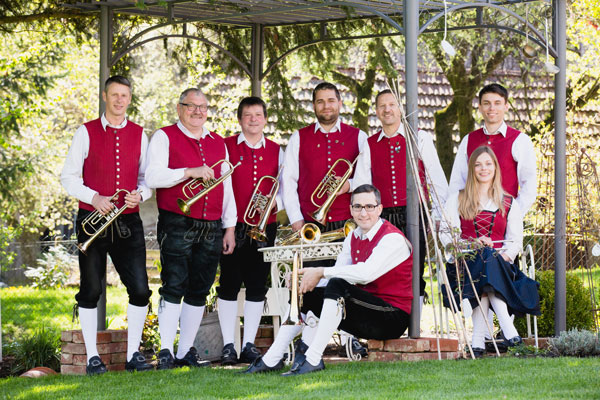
{"x": 367, "y": 293}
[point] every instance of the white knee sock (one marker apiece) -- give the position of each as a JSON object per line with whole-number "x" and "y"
{"x": 136, "y": 316}
{"x": 252, "y": 313}
{"x": 504, "y": 319}
{"x": 331, "y": 316}
{"x": 168, "y": 320}
{"x": 491, "y": 321}
{"x": 189, "y": 322}
{"x": 286, "y": 334}
{"x": 227, "y": 316}
{"x": 480, "y": 329}
{"x": 310, "y": 330}
{"x": 88, "y": 318}
{"x": 422, "y": 299}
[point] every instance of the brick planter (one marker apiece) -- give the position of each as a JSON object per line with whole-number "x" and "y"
{"x": 412, "y": 349}
{"x": 264, "y": 337}
{"x": 111, "y": 344}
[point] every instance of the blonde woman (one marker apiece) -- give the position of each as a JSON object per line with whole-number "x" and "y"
{"x": 485, "y": 214}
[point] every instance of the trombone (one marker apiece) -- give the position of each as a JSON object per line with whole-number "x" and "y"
{"x": 261, "y": 205}
{"x": 95, "y": 224}
{"x": 328, "y": 189}
{"x": 205, "y": 185}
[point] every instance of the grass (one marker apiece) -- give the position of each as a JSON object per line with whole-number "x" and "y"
{"x": 506, "y": 377}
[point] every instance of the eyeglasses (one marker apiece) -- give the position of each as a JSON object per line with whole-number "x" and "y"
{"x": 367, "y": 207}
{"x": 193, "y": 107}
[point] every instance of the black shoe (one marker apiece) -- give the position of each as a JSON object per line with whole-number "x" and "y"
{"x": 249, "y": 353}
{"x": 357, "y": 348}
{"x": 229, "y": 355}
{"x": 300, "y": 347}
{"x": 138, "y": 363}
{"x": 165, "y": 360}
{"x": 258, "y": 366}
{"x": 191, "y": 359}
{"x": 514, "y": 341}
{"x": 95, "y": 366}
{"x": 299, "y": 358}
{"x": 478, "y": 352}
{"x": 304, "y": 368}
{"x": 500, "y": 342}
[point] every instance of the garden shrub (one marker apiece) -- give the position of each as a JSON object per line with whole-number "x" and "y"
{"x": 42, "y": 349}
{"x": 51, "y": 270}
{"x": 575, "y": 343}
{"x": 579, "y": 306}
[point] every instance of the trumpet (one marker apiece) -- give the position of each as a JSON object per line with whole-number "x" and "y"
{"x": 206, "y": 186}
{"x": 261, "y": 203}
{"x": 95, "y": 224}
{"x": 328, "y": 189}
{"x": 310, "y": 233}
{"x": 295, "y": 315}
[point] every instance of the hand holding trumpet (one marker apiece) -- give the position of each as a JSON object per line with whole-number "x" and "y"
{"x": 204, "y": 172}
{"x": 310, "y": 278}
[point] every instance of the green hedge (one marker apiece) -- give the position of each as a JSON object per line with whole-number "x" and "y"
{"x": 579, "y": 306}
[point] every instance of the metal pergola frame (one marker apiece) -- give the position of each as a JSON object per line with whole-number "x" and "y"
{"x": 270, "y": 13}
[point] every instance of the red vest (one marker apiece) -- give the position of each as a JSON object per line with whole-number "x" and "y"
{"x": 388, "y": 169}
{"x": 106, "y": 167}
{"x": 395, "y": 286}
{"x": 502, "y": 147}
{"x": 487, "y": 223}
{"x": 318, "y": 151}
{"x": 187, "y": 152}
{"x": 255, "y": 163}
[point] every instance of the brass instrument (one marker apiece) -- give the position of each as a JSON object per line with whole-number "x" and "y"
{"x": 261, "y": 203}
{"x": 328, "y": 188}
{"x": 95, "y": 224}
{"x": 295, "y": 315}
{"x": 312, "y": 229}
{"x": 207, "y": 186}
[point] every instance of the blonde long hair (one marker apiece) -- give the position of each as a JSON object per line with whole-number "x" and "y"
{"x": 468, "y": 198}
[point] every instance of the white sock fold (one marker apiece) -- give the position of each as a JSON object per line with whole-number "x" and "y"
{"x": 189, "y": 322}
{"x": 252, "y": 313}
{"x": 504, "y": 319}
{"x": 286, "y": 334}
{"x": 136, "y": 316}
{"x": 88, "y": 318}
{"x": 227, "y": 316}
{"x": 491, "y": 320}
{"x": 331, "y": 316}
{"x": 310, "y": 329}
{"x": 479, "y": 328}
{"x": 168, "y": 320}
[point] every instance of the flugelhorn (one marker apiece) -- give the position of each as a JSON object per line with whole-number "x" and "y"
{"x": 261, "y": 205}
{"x": 295, "y": 315}
{"x": 95, "y": 224}
{"x": 206, "y": 185}
{"x": 328, "y": 189}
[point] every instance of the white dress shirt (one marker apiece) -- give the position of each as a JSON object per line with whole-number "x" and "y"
{"x": 258, "y": 145}
{"x": 524, "y": 155}
{"x": 291, "y": 170}
{"x": 514, "y": 226}
{"x": 71, "y": 176}
{"x": 159, "y": 175}
{"x": 392, "y": 250}
{"x": 436, "y": 179}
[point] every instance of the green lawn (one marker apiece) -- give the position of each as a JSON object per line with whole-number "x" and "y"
{"x": 534, "y": 378}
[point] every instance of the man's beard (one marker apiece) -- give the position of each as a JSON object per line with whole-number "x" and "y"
{"x": 325, "y": 120}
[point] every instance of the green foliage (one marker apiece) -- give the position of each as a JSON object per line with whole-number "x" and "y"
{"x": 42, "y": 349}
{"x": 151, "y": 334}
{"x": 523, "y": 350}
{"x": 52, "y": 268}
{"x": 579, "y": 314}
{"x": 576, "y": 343}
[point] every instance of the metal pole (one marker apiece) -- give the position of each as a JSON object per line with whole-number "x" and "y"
{"x": 105, "y": 51}
{"x": 256, "y": 59}
{"x": 411, "y": 34}
{"x": 560, "y": 169}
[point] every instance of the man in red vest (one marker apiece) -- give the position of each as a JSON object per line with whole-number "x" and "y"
{"x": 259, "y": 157}
{"x": 513, "y": 149}
{"x": 387, "y": 163}
{"x": 368, "y": 291}
{"x": 310, "y": 154}
{"x": 190, "y": 245}
{"x": 95, "y": 169}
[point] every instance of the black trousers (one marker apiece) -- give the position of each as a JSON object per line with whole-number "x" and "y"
{"x": 397, "y": 217}
{"x": 124, "y": 241}
{"x": 366, "y": 315}
{"x": 189, "y": 255}
{"x": 246, "y": 265}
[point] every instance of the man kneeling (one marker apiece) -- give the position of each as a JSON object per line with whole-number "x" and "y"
{"x": 368, "y": 292}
